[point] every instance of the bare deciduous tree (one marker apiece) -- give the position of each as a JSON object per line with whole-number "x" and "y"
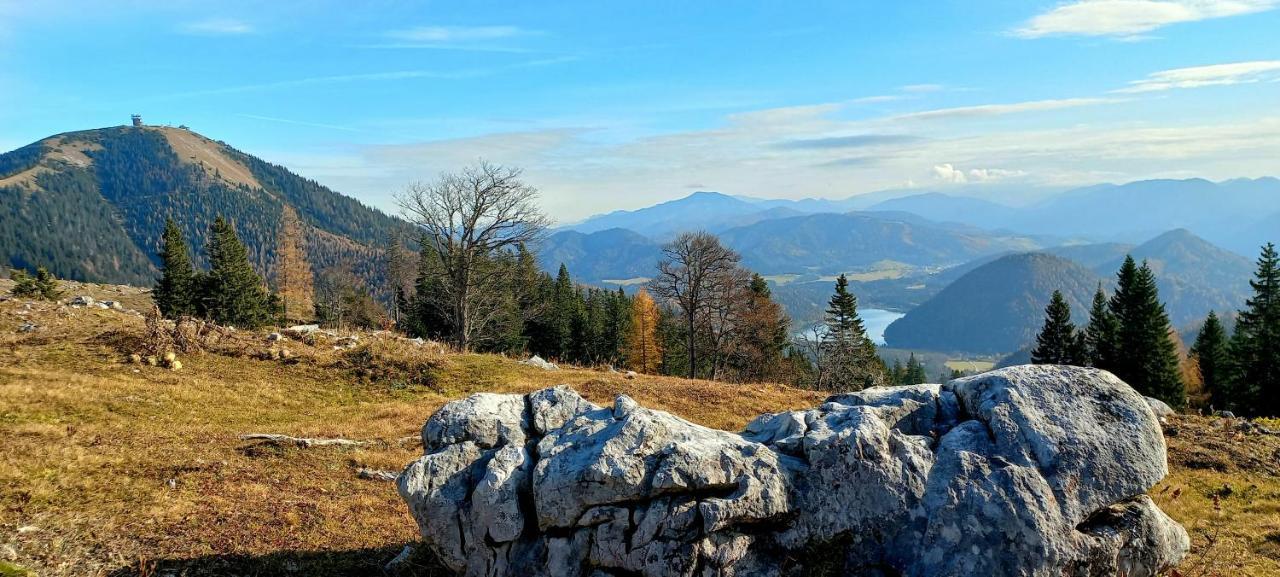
{"x": 468, "y": 218}
{"x": 697, "y": 273}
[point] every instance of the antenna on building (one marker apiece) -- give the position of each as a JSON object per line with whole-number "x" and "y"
{"x": 137, "y": 120}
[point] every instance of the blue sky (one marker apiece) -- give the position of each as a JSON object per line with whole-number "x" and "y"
{"x": 617, "y": 105}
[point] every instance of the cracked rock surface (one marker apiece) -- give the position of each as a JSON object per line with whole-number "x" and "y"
{"x": 1025, "y": 471}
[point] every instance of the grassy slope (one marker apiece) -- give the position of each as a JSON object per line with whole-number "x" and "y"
{"x": 128, "y": 470}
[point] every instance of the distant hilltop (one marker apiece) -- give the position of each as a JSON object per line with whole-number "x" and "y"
{"x": 91, "y": 205}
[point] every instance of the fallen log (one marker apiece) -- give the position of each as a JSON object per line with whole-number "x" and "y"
{"x": 303, "y": 442}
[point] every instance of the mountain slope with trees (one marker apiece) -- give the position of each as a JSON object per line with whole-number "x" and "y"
{"x": 92, "y": 205}
{"x": 996, "y": 307}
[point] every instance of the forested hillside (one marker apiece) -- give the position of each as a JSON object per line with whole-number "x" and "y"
{"x": 91, "y": 205}
{"x": 996, "y": 307}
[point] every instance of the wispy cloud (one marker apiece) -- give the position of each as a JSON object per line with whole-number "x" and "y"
{"x": 918, "y": 88}
{"x": 216, "y": 27}
{"x": 1212, "y": 75}
{"x": 472, "y": 38}
{"x": 1002, "y": 109}
{"x": 1132, "y": 18}
{"x": 851, "y": 141}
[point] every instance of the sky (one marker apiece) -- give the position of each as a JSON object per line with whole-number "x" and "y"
{"x": 617, "y": 105}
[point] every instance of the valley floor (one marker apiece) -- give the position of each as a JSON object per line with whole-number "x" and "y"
{"x": 113, "y": 468}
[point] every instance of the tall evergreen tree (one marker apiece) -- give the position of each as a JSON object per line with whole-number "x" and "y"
{"x": 175, "y": 293}
{"x": 761, "y": 337}
{"x": 1148, "y": 358}
{"x": 914, "y": 372}
{"x": 566, "y": 305}
{"x": 1101, "y": 333}
{"x": 233, "y": 293}
{"x": 849, "y": 356}
{"x": 1255, "y": 346}
{"x": 429, "y": 317}
{"x": 1057, "y": 343}
{"x": 1210, "y": 352}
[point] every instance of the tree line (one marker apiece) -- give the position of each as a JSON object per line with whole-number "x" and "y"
{"x": 474, "y": 282}
{"x": 1129, "y": 334}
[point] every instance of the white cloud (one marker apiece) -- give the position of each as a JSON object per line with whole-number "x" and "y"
{"x": 1132, "y": 18}
{"x": 217, "y": 27}
{"x": 1002, "y": 109}
{"x": 1213, "y": 75}
{"x": 916, "y": 88}
{"x": 949, "y": 173}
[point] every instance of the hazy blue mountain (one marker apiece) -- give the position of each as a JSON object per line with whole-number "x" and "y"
{"x": 613, "y": 254}
{"x": 833, "y": 243}
{"x": 1193, "y": 275}
{"x": 946, "y": 208}
{"x": 996, "y": 307}
{"x": 709, "y": 211}
{"x": 1142, "y": 209}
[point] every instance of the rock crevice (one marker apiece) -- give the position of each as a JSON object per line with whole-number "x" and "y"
{"x": 1028, "y": 471}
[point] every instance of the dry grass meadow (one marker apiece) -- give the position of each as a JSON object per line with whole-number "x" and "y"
{"x": 108, "y": 467}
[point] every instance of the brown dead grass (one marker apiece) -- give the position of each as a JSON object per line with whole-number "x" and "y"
{"x": 112, "y": 468}
{"x": 195, "y": 149}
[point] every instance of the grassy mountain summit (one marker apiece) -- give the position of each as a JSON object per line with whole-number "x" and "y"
{"x": 91, "y": 205}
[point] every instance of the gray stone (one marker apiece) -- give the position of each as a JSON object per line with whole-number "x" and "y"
{"x": 539, "y": 362}
{"x": 1027, "y": 471}
{"x": 1160, "y": 408}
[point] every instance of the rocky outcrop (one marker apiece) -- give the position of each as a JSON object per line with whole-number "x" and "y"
{"x": 1027, "y": 471}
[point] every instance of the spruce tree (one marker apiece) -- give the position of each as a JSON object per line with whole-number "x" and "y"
{"x": 1210, "y": 352}
{"x": 1100, "y": 334}
{"x": 1147, "y": 358}
{"x": 1255, "y": 346}
{"x": 429, "y": 317}
{"x": 175, "y": 293}
{"x": 566, "y": 306}
{"x": 850, "y": 356}
{"x": 233, "y": 293}
{"x": 1057, "y": 343}
{"x": 41, "y": 286}
{"x": 914, "y": 372}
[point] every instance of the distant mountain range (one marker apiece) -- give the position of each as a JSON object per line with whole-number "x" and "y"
{"x": 91, "y": 205}
{"x": 1238, "y": 214}
{"x": 811, "y": 244}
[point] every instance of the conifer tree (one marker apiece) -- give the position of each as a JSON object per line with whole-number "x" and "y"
{"x": 914, "y": 372}
{"x": 850, "y": 358}
{"x": 1255, "y": 346}
{"x": 295, "y": 284}
{"x": 233, "y": 294}
{"x": 1057, "y": 343}
{"x": 566, "y": 307}
{"x": 644, "y": 347}
{"x": 429, "y": 316}
{"x": 1147, "y": 358}
{"x": 1100, "y": 334}
{"x": 175, "y": 293}
{"x": 761, "y": 335}
{"x": 1210, "y": 352}
{"x": 41, "y": 286}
